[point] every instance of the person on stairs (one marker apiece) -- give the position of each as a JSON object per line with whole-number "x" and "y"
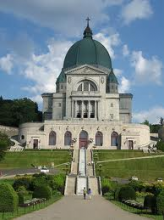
{"x": 84, "y": 193}
{"x": 89, "y": 193}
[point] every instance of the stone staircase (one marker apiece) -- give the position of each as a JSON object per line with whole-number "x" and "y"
{"x": 93, "y": 185}
{"x": 89, "y": 163}
{"x": 74, "y": 165}
{"x": 70, "y": 185}
{"x": 77, "y": 180}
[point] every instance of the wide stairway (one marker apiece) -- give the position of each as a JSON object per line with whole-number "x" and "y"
{"x": 82, "y": 174}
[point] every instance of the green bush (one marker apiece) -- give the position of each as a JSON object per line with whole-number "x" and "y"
{"x": 59, "y": 183}
{"x": 108, "y": 186}
{"x": 20, "y": 198}
{"x": 160, "y": 145}
{"x": 23, "y": 181}
{"x": 126, "y": 192}
{"x": 8, "y": 198}
{"x": 160, "y": 202}
{"x": 116, "y": 193}
{"x": 149, "y": 202}
{"x": 42, "y": 192}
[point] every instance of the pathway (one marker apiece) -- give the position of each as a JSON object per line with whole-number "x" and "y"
{"x": 130, "y": 158}
{"x": 75, "y": 208}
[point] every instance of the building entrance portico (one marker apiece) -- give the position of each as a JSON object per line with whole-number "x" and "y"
{"x": 83, "y": 139}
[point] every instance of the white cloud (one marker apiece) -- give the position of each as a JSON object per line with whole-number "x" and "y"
{"x": 124, "y": 85}
{"x": 152, "y": 115}
{"x": 60, "y": 15}
{"x": 136, "y": 9}
{"x": 146, "y": 70}
{"x": 109, "y": 42}
{"x": 6, "y": 63}
{"x": 125, "y": 50}
{"x": 43, "y": 69}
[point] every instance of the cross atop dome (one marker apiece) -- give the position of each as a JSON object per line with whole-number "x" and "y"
{"x": 88, "y": 19}
{"x": 87, "y": 31}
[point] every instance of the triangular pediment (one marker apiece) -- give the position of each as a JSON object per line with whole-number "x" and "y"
{"x": 86, "y": 70}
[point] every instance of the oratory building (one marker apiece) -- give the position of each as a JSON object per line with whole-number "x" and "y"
{"x": 86, "y": 110}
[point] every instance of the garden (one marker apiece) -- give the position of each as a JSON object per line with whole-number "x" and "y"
{"x": 143, "y": 198}
{"x": 28, "y": 193}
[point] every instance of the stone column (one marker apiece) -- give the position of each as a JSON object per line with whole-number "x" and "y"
{"x": 82, "y": 106}
{"x": 75, "y": 109}
{"x": 88, "y": 109}
{"x": 95, "y": 108}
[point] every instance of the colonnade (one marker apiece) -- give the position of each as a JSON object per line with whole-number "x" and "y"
{"x": 85, "y": 109}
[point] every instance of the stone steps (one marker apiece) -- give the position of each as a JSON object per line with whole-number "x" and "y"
{"x": 93, "y": 185}
{"x": 70, "y": 185}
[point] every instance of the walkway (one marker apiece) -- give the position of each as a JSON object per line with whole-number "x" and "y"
{"x": 75, "y": 208}
{"x": 130, "y": 158}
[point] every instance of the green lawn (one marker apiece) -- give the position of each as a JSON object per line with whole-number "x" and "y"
{"x": 119, "y": 154}
{"x": 15, "y": 160}
{"x": 144, "y": 169}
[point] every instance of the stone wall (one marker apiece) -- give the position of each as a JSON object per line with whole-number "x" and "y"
{"x": 10, "y": 131}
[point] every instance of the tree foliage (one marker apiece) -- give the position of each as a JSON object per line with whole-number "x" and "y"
{"x": 42, "y": 191}
{"x": 18, "y": 111}
{"x": 8, "y": 198}
{"x": 4, "y": 144}
{"x": 153, "y": 127}
{"x": 160, "y": 145}
{"x": 126, "y": 192}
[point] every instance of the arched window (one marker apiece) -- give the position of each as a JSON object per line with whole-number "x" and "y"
{"x": 99, "y": 139}
{"x": 114, "y": 139}
{"x": 52, "y": 138}
{"x": 67, "y": 138}
{"x": 87, "y": 85}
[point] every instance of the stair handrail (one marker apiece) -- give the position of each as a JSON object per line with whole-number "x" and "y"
{"x": 93, "y": 163}
{"x": 99, "y": 185}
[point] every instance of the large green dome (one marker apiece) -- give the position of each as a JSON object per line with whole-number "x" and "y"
{"x": 87, "y": 51}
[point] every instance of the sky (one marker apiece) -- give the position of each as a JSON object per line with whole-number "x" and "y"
{"x": 35, "y": 36}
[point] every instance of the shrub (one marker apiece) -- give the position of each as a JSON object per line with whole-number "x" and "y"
{"x": 20, "y": 198}
{"x": 23, "y": 181}
{"x": 58, "y": 183}
{"x": 42, "y": 192}
{"x": 126, "y": 192}
{"x": 160, "y": 202}
{"x": 8, "y": 198}
{"x": 116, "y": 193}
{"x": 149, "y": 201}
{"x": 108, "y": 186}
{"x": 160, "y": 145}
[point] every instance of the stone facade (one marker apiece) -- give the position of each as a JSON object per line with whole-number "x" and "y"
{"x": 86, "y": 110}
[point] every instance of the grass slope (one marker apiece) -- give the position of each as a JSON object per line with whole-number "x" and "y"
{"x": 14, "y": 160}
{"x": 144, "y": 169}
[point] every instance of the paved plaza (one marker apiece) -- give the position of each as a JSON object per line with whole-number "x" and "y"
{"x": 75, "y": 208}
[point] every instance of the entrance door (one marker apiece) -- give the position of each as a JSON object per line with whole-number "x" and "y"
{"x": 35, "y": 144}
{"x": 130, "y": 142}
{"x": 83, "y": 139}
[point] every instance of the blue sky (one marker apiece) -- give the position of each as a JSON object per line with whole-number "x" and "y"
{"x": 36, "y": 34}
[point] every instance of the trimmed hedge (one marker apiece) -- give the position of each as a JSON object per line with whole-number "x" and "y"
{"x": 42, "y": 192}
{"x": 22, "y": 181}
{"x": 160, "y": 202}
{"x": 8, "y": 198}
{"x": 149, "y": 202}
{"x": 126, "y": 192}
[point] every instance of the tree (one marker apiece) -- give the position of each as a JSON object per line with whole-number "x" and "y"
{"x": 8, "y": 198}
{"x": 161, "y": 121}
{"x": 18, "y": 111}
{"x": 4, "y": 144}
